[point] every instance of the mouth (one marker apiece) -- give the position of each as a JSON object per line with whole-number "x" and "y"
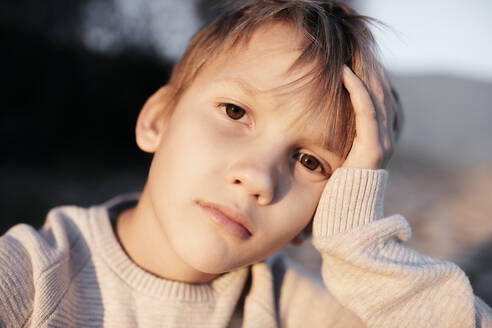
{"x": 233, "y": 221}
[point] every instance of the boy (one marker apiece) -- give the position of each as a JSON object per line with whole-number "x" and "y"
{"x": 252, "y": 135}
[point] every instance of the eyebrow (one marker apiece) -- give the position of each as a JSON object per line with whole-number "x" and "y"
{"x": 318, "y": 143}
{"x": 241, "y": 84}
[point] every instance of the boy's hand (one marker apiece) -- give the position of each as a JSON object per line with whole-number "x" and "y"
{"x": 374, "y": 122}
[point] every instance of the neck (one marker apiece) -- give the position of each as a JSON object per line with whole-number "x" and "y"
{"x": 145, "y": 242}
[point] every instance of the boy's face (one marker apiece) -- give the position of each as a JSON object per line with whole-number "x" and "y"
{"x": 247, "y": 158}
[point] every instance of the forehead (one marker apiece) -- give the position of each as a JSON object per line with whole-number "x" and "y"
{"x": 263, "y": 61}
{"x": 262, "y": 68}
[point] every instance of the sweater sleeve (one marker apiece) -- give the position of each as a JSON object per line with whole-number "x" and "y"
{"x": 38, "y": 266}
{"x": 16, "y": 280}
{"x": 368, "y": 269}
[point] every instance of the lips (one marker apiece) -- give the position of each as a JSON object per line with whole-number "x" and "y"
{"x": 232, "y": 220}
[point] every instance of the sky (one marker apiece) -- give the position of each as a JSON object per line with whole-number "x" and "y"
{"x": 440, "y": 36}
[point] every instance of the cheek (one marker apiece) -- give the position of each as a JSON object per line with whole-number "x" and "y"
{"x": 304, "y": 196}
{"x": 187, "y": 146}
{"x": 193, "y": 153}
{"x": 294, "y": 212}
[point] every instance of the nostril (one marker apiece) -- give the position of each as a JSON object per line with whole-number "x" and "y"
{"x": 237, "y": 181}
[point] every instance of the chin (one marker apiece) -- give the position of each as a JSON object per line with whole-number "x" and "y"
{"x": 209, "y": 253}
{"x": 212, "y": 263}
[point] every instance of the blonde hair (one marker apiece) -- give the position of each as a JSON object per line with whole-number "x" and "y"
{"x": 334, "y": 35}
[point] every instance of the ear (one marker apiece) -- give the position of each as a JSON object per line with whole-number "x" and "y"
{"x": 152, "y": 121}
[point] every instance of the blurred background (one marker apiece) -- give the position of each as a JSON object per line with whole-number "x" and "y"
{"x": 76, "y": 73}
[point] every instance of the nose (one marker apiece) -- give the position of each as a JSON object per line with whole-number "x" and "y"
{"x": 257, "y": 177}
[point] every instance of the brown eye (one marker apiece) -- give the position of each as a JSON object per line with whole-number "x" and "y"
{"x": 309, "y": 161}
{"x": 234, "y": 111}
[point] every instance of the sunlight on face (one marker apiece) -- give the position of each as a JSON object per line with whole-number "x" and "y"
{"x": 230, "y": 147}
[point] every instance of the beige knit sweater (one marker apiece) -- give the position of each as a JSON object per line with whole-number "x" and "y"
{"x": 73, "y": 273}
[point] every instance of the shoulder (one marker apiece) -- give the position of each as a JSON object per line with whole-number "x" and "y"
{"x": 38, "y": 267}
{"x": 61, "y": 233}
{"x": 68, "y": 232}
{"x": 30, "y": 260}
{"x": 61, "y": 241}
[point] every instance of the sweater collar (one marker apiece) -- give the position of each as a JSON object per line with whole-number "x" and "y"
{"x": 111, "y": 252}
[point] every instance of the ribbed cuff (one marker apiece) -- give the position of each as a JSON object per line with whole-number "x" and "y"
{"x": 352, "y": 197}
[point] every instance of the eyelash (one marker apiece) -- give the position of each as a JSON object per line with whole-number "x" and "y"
{"x": 225, "y": 107}
{"x": 299, "y": 156}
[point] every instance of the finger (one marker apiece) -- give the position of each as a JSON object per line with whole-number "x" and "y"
{"x": 385, "y": 106}
{"x": 398, "y": 117}
{"x": 377, "y": 87}
{"x": 366, "y": 123}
